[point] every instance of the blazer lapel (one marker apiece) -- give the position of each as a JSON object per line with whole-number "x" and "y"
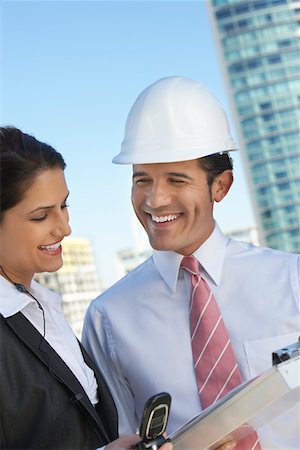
{"x": 57, "y": 367}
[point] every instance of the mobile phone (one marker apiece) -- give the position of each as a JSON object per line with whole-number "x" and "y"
{"x": 154, "y": 421}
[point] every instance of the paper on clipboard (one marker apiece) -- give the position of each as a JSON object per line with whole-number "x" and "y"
{"x": 253, "y": 403}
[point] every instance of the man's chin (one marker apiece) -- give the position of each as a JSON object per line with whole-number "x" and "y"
{"x": 162, "y": 246}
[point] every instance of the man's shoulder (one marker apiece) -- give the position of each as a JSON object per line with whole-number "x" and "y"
{"x": 138, "y": 279}
{"x": 251, "y": 250}
{"x": 246, "y": 253}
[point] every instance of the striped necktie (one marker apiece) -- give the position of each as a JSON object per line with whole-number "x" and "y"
{"x": 215, "y": 364}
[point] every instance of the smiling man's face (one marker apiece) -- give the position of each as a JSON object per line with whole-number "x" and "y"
{"x": 174, "y": 204}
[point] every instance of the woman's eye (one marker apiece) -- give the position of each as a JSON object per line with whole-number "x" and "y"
{"x": 64, "y": 205}
{"x": 39, "y": 219}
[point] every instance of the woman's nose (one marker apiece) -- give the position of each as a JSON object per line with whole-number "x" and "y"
{"x": 62, "y": 227}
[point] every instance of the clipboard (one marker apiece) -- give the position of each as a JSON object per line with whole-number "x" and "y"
{"x": 249, "y": 406}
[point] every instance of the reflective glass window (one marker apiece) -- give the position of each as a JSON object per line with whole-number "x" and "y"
{"x": 266, "y": 105}
{"x": 274, "y": 59}
{"x": 279, "y": 2}
{"x": 260, "y": 4}
{"x": 223, "y": 13}
{"x": 241, "y": 9}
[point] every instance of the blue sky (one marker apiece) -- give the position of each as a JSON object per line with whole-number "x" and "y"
{"x": 71, "y": 72}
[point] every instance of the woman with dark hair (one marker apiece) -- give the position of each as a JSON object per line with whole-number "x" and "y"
{"x": 52, "y": 396}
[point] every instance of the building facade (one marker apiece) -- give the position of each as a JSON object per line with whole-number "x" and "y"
{"x": 130, "y": 258}
{"x": 258, "y": 46}
{"x": 77, "y": 281}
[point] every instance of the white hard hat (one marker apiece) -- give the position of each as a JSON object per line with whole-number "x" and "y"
{"x": 174, "y": 119}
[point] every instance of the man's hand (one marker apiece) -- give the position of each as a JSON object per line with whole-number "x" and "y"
{"x": 129, "y": 442}
{"x": 228, "y": 446}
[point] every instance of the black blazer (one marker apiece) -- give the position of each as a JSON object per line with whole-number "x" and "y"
{"x": 43, "y": 405}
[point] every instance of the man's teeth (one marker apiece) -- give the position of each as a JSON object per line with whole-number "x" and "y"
{"x": 51, "y": 247}
{"x": 168, "y": 218}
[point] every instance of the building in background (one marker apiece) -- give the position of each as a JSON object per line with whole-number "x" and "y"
{"x": 130, "y": 258}
{"x": 77, "y": 281}
{"x": 247, "y": 234}
{"x": 258, "y": 45}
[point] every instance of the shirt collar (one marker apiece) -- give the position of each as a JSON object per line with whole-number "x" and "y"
{"x": 12, "y": 301}
{"x": 210, "y": 255}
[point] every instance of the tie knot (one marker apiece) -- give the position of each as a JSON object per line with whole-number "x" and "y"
{"x": 191, "y": 264}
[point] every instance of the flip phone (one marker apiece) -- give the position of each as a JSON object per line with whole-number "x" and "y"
{"x": 154, "y": 421}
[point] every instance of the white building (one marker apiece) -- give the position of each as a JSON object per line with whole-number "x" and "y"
{"x": 130, "y": 258}
{"x": 247, "y": 234}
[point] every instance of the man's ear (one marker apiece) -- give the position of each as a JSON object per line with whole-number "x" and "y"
{"x": 221, "y": 185}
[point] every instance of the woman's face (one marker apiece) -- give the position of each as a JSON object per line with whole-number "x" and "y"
{"x": 31, "y": 232}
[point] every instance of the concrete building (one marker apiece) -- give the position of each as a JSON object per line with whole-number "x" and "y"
{"x": 258, "y": 46}
{"x": 130, "y": 258}
{"x": 246, "y": 234}
{"x": 77, "y": 281}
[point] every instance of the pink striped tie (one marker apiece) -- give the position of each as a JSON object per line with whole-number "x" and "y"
{"x": 215, "y": 364}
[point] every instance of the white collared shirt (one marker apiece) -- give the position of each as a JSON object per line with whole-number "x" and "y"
{"x": 58, "y": 333}
{"x": 138, "y": 330}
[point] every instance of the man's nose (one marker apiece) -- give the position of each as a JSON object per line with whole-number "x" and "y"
{"x": 157, "y": 196}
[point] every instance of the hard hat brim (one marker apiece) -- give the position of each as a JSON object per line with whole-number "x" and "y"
{"x": 157, "y": 152}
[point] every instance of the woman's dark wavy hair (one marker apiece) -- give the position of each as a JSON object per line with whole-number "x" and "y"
{"x": 23, "y": 158}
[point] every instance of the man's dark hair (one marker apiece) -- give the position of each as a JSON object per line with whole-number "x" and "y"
{"x": 215, "y": 164}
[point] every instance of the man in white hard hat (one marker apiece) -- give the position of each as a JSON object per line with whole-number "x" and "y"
{"x": 177, "y": 138}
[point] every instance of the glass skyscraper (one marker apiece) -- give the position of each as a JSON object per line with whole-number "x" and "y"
{"x": 258, "y": 45}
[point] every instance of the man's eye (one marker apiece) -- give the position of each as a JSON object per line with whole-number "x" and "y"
{"x": 142, "y": 181}
{"x": 176, "y": 181}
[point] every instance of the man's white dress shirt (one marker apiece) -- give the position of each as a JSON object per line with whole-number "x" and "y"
{"x": 138, "y": 330}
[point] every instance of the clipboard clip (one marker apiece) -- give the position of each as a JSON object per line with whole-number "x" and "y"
{"x": 286, "y": 353}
